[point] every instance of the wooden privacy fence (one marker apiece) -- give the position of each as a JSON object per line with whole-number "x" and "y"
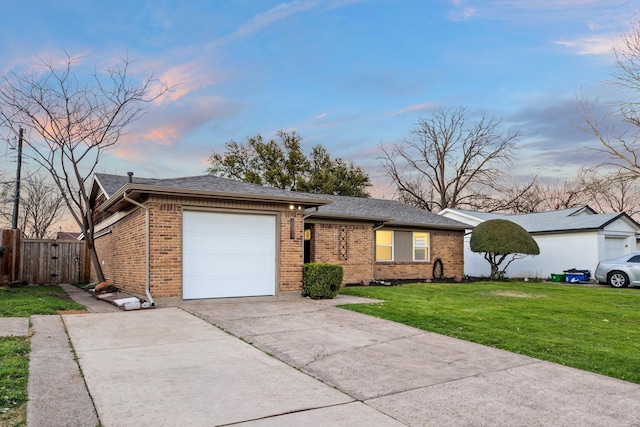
{"x": 54, "y": 261}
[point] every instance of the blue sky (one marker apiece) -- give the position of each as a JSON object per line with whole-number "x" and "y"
{"x": 349, "y": 74}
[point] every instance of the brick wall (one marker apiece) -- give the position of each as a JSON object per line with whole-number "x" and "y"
{"x": 402, "y": 270}
{"x": 122, "y": 253}
{"x": 291, "y": 250}
{"x": 165, "y": 246}
{"x": 449, "y": 247}
{"x": 446, "y": 245}
{"x": 348, "y": 244}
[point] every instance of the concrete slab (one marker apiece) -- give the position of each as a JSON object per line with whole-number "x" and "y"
{"x": 408, "y": 363}
{"x": 314, "y": 344}
{"x": 348, "y": 415}
{"x": 57, "y": 392}
{"x": 422, "y": 379}
{"x": 123, "y": 329}
{"x": 540, "y": 394}
{"x": 92, "y": 303}
{"x": 14, "y": 326}
{"x": 166, "y": 367}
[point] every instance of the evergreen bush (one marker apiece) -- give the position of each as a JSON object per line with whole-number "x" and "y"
{"x": 321, "y": 281}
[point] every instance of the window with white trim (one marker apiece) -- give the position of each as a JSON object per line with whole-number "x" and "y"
{"x": 384, "y": 245}
{"x": 420, "y": 246}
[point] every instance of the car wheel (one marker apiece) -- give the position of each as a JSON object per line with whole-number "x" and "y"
{"x": 618, "y": 279}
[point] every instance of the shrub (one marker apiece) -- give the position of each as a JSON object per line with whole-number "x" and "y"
{"x": 320, "y": 281}
{"x": 502, "y": 240}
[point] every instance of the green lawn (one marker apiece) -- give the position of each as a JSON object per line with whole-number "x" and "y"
{"x": 28, "y": 300}
{"x": 14, "y": 351}
{"x": 592, "y": 328}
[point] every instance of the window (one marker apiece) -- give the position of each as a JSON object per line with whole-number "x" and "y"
{"x": 384, "y": 245}
{"x": 420, "y": 246}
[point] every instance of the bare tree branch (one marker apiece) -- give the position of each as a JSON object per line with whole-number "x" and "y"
{"x": 71, "y": 121}
{"x": 447, "y": 156}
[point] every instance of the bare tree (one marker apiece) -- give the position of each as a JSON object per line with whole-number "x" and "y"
{"x": 71, "y": 120}
{"x": 618, "y": 127}
{"x": 446, "y": 161}
{"x": 41, "y": 207}
{"x": 611, "y": 192}
{"x": 510, "y": 196}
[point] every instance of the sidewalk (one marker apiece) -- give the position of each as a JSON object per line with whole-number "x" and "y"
{"x": 58, "y": 395}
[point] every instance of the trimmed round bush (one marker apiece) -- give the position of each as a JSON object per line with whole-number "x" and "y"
{"x": 320, "y": 280}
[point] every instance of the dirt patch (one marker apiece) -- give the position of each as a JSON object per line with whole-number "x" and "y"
{"x": 512, "y": 294}
{"x": 13, "y": 416}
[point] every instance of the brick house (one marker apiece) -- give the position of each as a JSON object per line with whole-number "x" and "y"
{"x": 211, "y": 237}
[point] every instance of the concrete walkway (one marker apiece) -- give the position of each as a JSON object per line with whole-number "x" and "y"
{"x": 58, "y": 395}
{"x": 303, "y": 362}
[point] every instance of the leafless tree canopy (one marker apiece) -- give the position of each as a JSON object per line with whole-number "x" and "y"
{"x": 71, "y": 120}
{"x": 610, "y": 192}
{"x": 618, "y": 129}
{"x": 41, "y": 207}
{"x": 447, "y": 161}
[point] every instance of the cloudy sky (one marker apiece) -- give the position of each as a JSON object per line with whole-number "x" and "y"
{"x": 350, "y": 74}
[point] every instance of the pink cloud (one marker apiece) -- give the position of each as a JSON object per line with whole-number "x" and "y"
{"x": 186, "y": 78}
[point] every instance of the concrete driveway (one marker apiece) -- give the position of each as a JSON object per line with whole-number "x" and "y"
{"x": 303, "y": 362}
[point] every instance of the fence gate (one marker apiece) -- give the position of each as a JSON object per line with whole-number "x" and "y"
{"x": 54, "y": 261}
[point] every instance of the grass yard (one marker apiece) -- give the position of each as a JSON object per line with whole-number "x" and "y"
{"x": 14, "y": 351}
{"x": 28, "y": 300}
{"x": 590, "y": 328}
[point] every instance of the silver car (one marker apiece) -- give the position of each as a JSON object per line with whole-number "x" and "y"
{"x": 620, "y": 272}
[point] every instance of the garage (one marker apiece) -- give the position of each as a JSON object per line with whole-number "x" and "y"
{"x": 228, "y": 254}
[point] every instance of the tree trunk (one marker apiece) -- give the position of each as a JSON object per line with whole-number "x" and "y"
{"x": 94, "y": 258}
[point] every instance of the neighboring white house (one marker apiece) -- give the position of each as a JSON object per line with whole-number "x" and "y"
{"x": 568, "y": 238}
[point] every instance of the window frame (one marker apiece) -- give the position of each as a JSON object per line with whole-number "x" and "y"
{"x": 385, "y": 246}
{"x": 426, "y": 247}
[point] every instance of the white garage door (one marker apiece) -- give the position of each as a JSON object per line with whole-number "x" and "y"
{"x": 228, "y": 255}
{"x": 614, "y": 247}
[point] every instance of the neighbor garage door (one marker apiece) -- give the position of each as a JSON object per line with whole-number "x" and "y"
{"x": 228, "y": 255}
{"x": 614, "y": 247}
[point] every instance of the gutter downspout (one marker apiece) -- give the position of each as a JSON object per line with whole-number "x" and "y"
{"x": 305, "y": 216}
{"x": 147, "y": 284}
{"x": 373, "y": 249}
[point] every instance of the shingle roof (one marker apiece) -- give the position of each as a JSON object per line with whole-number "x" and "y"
{"x": 112, "y": 183}
{"x": 396, "y": 213}
{"x": 377, "y": 210}
{"x": 573, "y": 219}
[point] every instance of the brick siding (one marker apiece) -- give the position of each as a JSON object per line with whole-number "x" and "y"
{"x": 328, "y": 241}
{"x": 122, "y": 253}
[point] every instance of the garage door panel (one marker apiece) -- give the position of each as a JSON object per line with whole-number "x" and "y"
{"x": 228, "y": 255}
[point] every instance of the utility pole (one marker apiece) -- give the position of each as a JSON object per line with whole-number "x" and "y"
{"x": 16, "y": 200}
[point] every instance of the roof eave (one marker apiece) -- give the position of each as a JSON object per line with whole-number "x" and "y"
{"x": 350, "y": 217}
{"x": 431, "y": 226}
{"x": 134, "y": 190}
{"x": 567, "y": 230}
